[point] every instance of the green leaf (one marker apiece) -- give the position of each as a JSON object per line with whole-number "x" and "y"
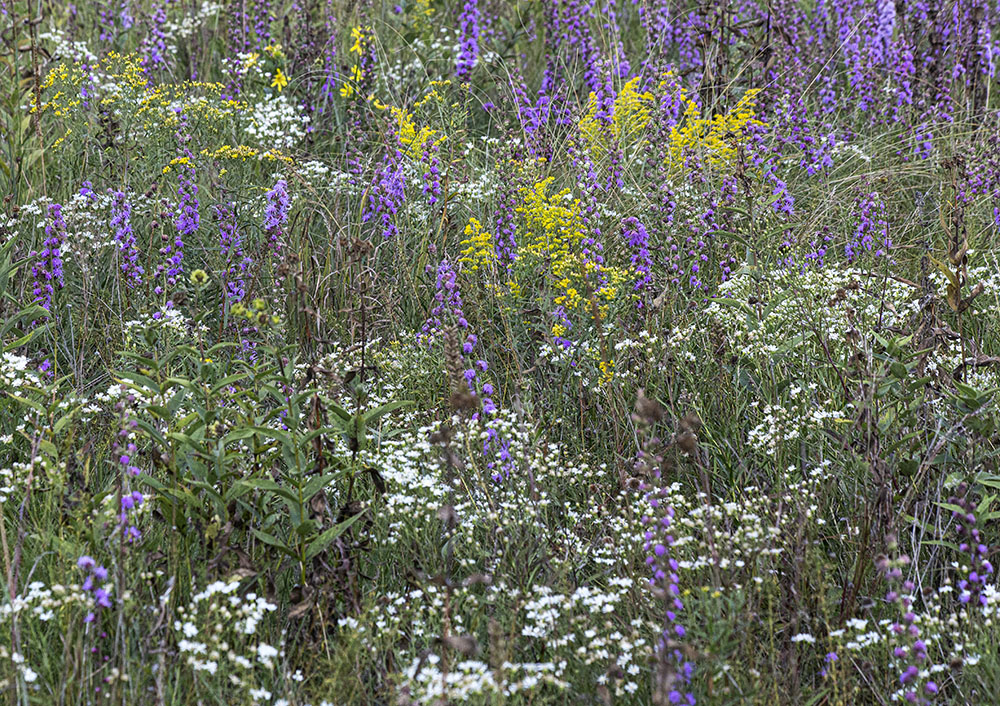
{"x": 339, "y": 411}
{"x": 316, "y": 484}
{"x": 187, "y": 441}
{"x": 385, "y": 409}
{"x": 226, "y": 381}
{"x": 274, "y": 542}
{"x": 137, "y": 381}
{"x": 941, "y": 543}
{"x": 238, "y": 435}
{"x": 324, "y": 540}
{"x": 733, "y": 303}
{"x": 967, "y": 391}
{"x": 952, "y": 507}
{"x": 272, "y": 487}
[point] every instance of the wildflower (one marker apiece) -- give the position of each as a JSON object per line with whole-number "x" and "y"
{"x": 276, "y": 213}
{"x": 469, "y": 49}
{"x": 231, "y": 247}
{"x": 48, "y": 268}
{"x": 186, "y": 216}
{"x": 386, "y": 195}
{"x": 279, "y": 81}
{"x": 121, "y": 222}
{"x": 638, "y": 240}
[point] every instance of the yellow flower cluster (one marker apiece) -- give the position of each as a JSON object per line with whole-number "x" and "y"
{"x": 279, "y": 81}
{"x": 422, "y": 9}
{"x": 412, "y": 135}
{"x": 245, "y": 152}
{"x": 274, "y": 51}
{"x": 361, "y": 38}
{"x": 628, "y": 121}
{"x": 175, "y": 161}
{"x": 197, "y": 100}
{"x": 133, "y": 96}
{"x": 554, "y": 231}
{"x": 714, "y": 138}
{"x": 479, "y": 251}
{"x": 554, "y": 224}
{"x": 418, "y": 19}
{"x": 60, "y": 102}
{"x": 65, "y": 79}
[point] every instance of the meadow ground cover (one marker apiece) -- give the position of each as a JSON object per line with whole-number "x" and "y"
{"x": 499, "y": 351}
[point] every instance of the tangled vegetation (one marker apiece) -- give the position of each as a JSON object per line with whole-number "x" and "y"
{"x": 489, "y": 352}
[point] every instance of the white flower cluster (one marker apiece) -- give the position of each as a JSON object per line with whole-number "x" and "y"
{"x": 175, "y": 31}
{"x": 781, "y": 312}
{"x": 16, "y": 372}
{"x": 33, "y": 610}
{"x": 427, "y": 683}
{"x": 65, "y": 48}
{"x": 168, "y": 320}
{"x": 42, "y": 603}
{"x": 274, "y": 122}
{"x": 87, "y": 218}
{"x": 218, "y": 634}
{"x": 792, "y": 420}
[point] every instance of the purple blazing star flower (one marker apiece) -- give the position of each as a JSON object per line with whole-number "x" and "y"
{"x": 276, "y": 213}
{"x": 121, "y": 223}
{"x": 468, "y": 53}
{"x": 47, "y": 271}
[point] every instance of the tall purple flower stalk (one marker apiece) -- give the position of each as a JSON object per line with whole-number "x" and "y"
{"x": 262, "y": 22}
{"x": 106, "y": 21}
{"x": 331, "y": 78}
{"x": 468, "y": 53}
{"x": 124, "y": 451}
{"x": 236, "y": 23}
{"x": 125, "y": 14}
{"x": 154, "y": 44}
{"x": 637, "y": 238}
{"x": 386, "y": 195}
{"x": 871, "y": 231}
{"x": 47, "y": 270}
{"x": 562, "y": 320}
{"x": 970, "y": 544}
{"x": 432, "y": 173}
{"x": 100, "y": 595}
{"x": 592, "y": 249}
{"x": 276, "y": 214}
{"x": 447, "y": 310}
{"x": 910, "y": 650}
{"x": 447, "y": 305}
{"x": 505, "y": 236}
{"x": 186, "y": 218}
{"x": 231, "y": 247}
{"x": 675, "y": 670}
{"x": 121, "y": 223}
